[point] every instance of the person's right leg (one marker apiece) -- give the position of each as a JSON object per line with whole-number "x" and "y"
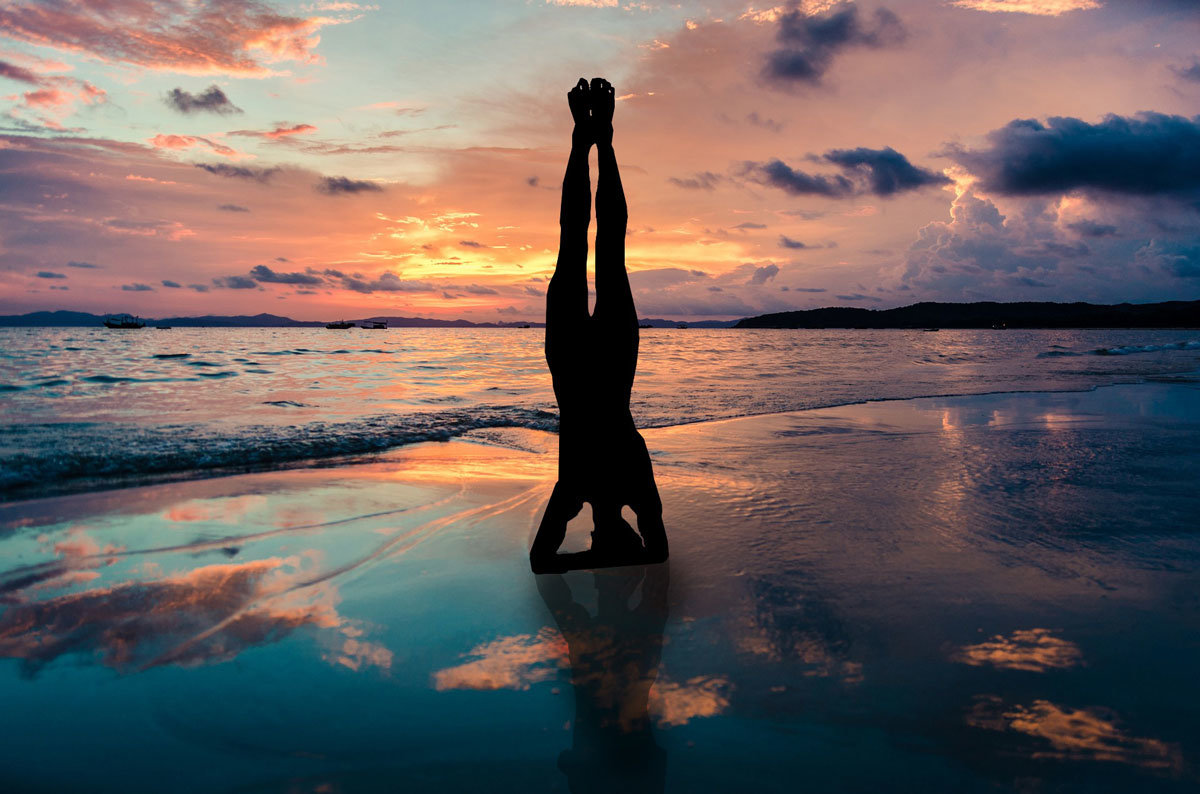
{"x": 566, "y": 296}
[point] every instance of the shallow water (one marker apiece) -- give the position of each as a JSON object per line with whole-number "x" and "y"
{"x": 971, "y": 594}
{"x": 91, "y": 408}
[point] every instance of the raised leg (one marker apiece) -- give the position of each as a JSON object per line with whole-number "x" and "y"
{"x": 566, "y": 296}
{"x": 615, "y": 315}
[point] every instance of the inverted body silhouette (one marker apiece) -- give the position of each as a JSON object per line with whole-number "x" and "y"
{"x": 602, "y": 458}
{"x": 614, "y": 663}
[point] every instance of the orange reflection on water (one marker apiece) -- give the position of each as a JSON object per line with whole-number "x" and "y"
{"x": 1063, "y": 733}
{"x": 1035, "y": 650}
{"x": 512, "y": 662}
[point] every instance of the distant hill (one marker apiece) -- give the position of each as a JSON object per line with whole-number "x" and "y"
{"x": 657, "y": 323}
{"x": 988, "y": 314}
{"x": 61, "y": 319}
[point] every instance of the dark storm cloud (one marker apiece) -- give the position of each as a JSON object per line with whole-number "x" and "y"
{"x": 808, "y": 44}
{"x": 886, "y": 170}
{"x": 1088, "y": 228}
{"x": 880, "y": 172}
{"x": 238, "y": 171}
{"x": 49, "y": 274}
{"x": 340, "y": 186}
{"x": 233, "y": 208}
{"x": 267, "y": 275}
{"x": 1151, "y": 154}
{"x": 236, "y": 282}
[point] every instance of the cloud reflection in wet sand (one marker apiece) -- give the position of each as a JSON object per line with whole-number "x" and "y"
{"x": 520, "y": 660}
{"x": 1034, "y": 650}
{"x": 209, "y": 614}
{"x": 1063, "y": 733}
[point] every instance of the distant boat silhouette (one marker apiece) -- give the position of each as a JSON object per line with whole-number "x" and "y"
{"x": 682, "y": 326}
{"x": 646, "y": 325}
{"x": 124, "y": 321}
{"x": 163, "y": 327}
{"x": 933, "y": 329}
{"x": 372, "y": 325}
{"x": 340, "y": 325}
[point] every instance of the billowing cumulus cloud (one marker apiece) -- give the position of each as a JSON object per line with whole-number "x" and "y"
{"x": 210, "y": 100}
{"x": 1152, "y": 154}
{"x": 808, "y": 44}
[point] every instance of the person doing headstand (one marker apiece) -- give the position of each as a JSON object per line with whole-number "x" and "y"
{"x": 602, "y": 458}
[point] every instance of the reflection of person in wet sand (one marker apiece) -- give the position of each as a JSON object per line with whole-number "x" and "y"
{"x": 602, "y": 459}
{"x": 614, "y": 662}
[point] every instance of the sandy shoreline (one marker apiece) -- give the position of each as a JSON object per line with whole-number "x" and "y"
{"x": 949, "y": 592}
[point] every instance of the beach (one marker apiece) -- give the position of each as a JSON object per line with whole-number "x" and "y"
{"x": 988, "y": 592}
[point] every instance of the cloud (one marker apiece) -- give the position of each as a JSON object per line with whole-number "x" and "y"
{"x": 49, "y": 274}
{"x": 386, "y": 282}
{"x": 880, "y": 172}
{"x": 471, "y": 244}
{"x": 267, "y": 275}
{"x": 763, "y": 274}
{"x": 233, "y": 208}
{"x": 171, "y": 284}
{"x": 886, "y": 171}
{"x": 85, "y": 265}
{"x": 478, "y": 289}
{"x": 1032, "y": 650}
{"x": 745, "y": 225}
{"x": 281, "y": 131}
{"x": 239, "y": 171}
{"x": 1089, "y": 228}
{"x": 1191, "y": 72}
{"x": 705, "y": 180}
{"x": 1180, "y": 261}
{"x": 1151, "y": 154}
{"x": 211, "y": 100}
{"x": 340, "y": 185}
{"x": 1051, "y": 8}
{"x": 809, "y": 43}
{"x": 203, "y": 37}
{"x": 198, "y": 287}
{"x": 19, "y": 73}
{"x": 161, "y": 141}
{"x": 788, "y": 242}
{"x": 236, "y": 282}
{"x": 137, "y": 287}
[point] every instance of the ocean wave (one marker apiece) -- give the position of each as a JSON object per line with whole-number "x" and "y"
{"x": 1124, "y": 350}
{"x": 45, "y": 459}
{"x": 1130, "y": 349}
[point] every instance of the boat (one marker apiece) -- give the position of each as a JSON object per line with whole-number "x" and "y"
{"x": 932, "y": 329}
{"x": 682, "y": 326}
{"x": 375, "y": 325}
{"x": 340, "y": 325}
{"x": 645, "y": 325}
{"x": 163, "y": 327}
{"x": 124, "y": 321}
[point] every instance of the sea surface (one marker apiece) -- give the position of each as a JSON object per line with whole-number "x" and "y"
{"x": 87, "y": 409}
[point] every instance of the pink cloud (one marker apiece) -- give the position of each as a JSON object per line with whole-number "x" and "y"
{"x": 213, "y": 37}
{"x": 162, "y": 141}
{"x": 280, "y": 131}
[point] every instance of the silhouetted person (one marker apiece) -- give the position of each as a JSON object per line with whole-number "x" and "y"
{"x": 614, "y": 662}
{"x": 602, "y": 459}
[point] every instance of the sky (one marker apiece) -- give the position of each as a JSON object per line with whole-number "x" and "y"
{"x": 337, "y": 159}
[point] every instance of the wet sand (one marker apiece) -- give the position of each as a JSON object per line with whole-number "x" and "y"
{"x": 970, "y": 593}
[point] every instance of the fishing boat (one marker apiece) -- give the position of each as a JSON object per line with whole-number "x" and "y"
{"x": 340, "y": 325}
{"x": 124, "y": 321}
{"x": 375, "y": 325}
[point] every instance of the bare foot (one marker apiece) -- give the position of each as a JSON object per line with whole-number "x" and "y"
{"x": 603, "y": 103}
{"x": 579, "y": 98}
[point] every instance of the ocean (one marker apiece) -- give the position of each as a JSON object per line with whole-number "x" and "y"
{"x": 87, "y": 409}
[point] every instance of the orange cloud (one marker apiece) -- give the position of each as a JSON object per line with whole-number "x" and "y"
{"x": 513, "y": 662}
{"x": 1035, "y": 650}
{"x": 162, "y": 141}
{"x": 279, "y": 132}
